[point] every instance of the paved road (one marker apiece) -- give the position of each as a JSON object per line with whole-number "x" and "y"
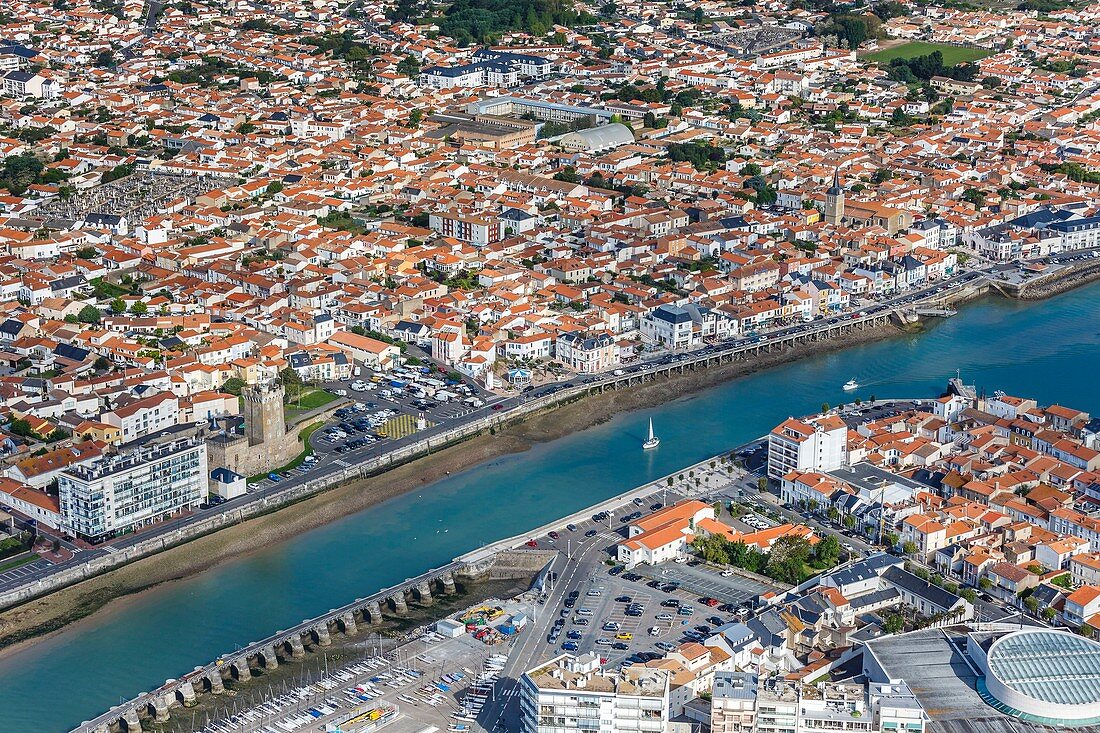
{"x": 330, "y": 463}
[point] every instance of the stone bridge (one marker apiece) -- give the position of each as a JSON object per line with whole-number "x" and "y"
{"x": 280, "y": 647}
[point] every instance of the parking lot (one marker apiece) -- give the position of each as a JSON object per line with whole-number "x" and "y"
{"x": 628, "y": 616}
{"x": 702, "y": 581}
{"x": 13, "y": 577}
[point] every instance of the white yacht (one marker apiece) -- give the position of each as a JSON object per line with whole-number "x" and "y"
{"x": 652, "y": 441}
{"x": 850, "y": 385}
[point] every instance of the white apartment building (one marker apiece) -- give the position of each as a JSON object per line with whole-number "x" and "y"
{"x": 819, "y": 444}
{"x": 144, "y": 416}
{"x": 570, "y": 693}
{"x": 133, "y": 488}
{"x": 670, "y": 326}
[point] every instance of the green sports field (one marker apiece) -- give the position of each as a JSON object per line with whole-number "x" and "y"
{"x": 951, "y": 54}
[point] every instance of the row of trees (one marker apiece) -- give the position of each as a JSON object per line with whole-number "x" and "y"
{"x": 923, "y": 68}
{"x": 790, "y": 559}
{"x": 21, "y": 171}
{"x": 469, "y": 21}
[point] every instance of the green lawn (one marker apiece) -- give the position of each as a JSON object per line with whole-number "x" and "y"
{"x": 951, "y": 54}
{"x": 310, "y": 401}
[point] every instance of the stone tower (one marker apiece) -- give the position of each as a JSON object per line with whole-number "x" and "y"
{"x": 834, "y": 201}
{"x": 263, "y": 414}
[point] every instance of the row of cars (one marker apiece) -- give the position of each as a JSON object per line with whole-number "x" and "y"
{"x": 354, "y": 422}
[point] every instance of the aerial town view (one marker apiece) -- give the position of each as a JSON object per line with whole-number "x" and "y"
{"x": 470, "y": 366}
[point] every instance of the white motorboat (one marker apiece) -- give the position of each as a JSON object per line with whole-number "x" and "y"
{"x": 850, "y": 385}
{"x": 652, "y": 441}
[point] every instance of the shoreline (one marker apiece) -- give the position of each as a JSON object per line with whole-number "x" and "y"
{"x": 50, "y": 614}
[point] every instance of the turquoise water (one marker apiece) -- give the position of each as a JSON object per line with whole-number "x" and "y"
{"x": 1048, "y": 350}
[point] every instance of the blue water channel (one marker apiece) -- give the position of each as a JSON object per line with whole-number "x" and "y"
{"x": 1049, "y": 350}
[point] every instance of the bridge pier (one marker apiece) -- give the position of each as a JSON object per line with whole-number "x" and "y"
{"x": 160, "y": 708}
{"x": 448, "y": 582}
{"x": 132, "y": 721}
{"x": 186, "y": 692}
{"x": 244, "y": 674}
{"x": 271, "y": 661}
{"x": 323, "y": 637}
{"x": 297, "y": 650}
{"x": 348, "y": 622}
{"x": 424, "y": 591}
{"x": 399, "y": 604}
{"x": 373, "y": 613}
{"x": 217, "y": 686}
{"x": 102, "y": 729}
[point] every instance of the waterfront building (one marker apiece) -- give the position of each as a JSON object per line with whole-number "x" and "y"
{"x": 671, "y": 326}
{"x": 132, "y": 488}
{"x": 570, "y": 693}
{"x": 819, "y": 444}
{"x": 586, "y": 354}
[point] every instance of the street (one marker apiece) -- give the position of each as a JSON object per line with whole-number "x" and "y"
{"x": 447, "y": 416}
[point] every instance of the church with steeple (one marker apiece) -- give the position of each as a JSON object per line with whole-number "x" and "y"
{"x": 834, "y": 201}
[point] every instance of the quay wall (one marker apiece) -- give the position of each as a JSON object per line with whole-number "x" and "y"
{"x": 298, "y": 492}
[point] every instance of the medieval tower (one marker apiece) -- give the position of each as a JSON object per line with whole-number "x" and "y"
{"x": 263, "y": 414}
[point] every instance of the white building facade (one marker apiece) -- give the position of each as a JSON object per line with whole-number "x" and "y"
{"x": 120, "y": 492}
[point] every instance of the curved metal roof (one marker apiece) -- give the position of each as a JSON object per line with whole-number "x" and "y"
{"x": 1052, "y": 666}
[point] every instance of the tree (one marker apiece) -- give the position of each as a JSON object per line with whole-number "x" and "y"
{"x": 273, "y": 188}
{"x": 969, "y": 594}
{"x": 1031, "y": 603}
{"x": 105, "y": 59}
{"x": 900, "y": 118}
{"x": 233, "y": 386}
{"x": 567, "y": 174}
{"x": 1049, "y": 613}
{"x": 21, "y": 427}
{"x": 89, "y": 314}
{"x": 1085, "y": 630}
{"x": 833, "y": 513}
{"x": 118, "y": 305}
{"x": 698, "y": 17}
{"x": 409, "y": 66}
{"x": 882, "y": 175}
{"x": 824, "y": 406}
{"x": 139, "y": 308}
{"x": 415, "y": 118}
{"x": 909, "y": 548}
{"x": 975, "y": 197}
{"x": 787, "y": 559}
{"x": 827, "y": 551}
{"x": 101, "y": 364}
{"x": 849, "y": 521}
{"x": 893, "y": 624}
{"x": 291, "y": 381}
{"x": 985, "y": 583}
